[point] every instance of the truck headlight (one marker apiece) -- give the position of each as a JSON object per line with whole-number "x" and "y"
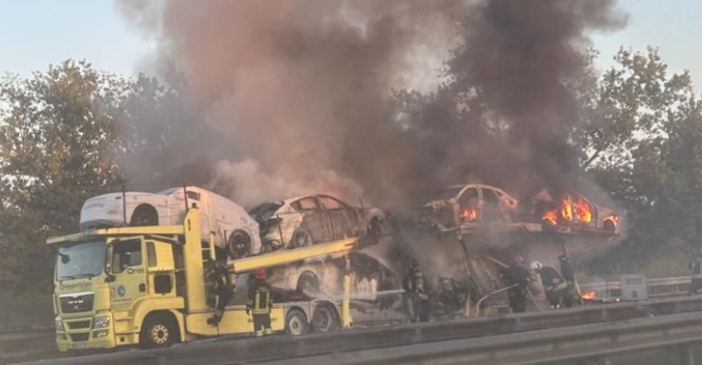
{"x": 59, "y": 326}
{"x": 101, "y": 322}
{"x": 100, "y": 333}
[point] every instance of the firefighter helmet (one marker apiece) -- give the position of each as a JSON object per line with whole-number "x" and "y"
{"x": 536, "y": 265}
{"x": 260, "y": 273}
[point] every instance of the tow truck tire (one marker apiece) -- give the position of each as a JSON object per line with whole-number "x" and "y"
{"x": 159, "y": 331}
{"x": 296, "y": 323}
{"x": 325, "y": 319}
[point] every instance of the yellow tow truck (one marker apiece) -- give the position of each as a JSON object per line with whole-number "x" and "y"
{"x": 147, "y": 286}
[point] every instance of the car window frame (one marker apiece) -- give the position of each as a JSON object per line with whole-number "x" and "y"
{"x": 298, "y": 206}
{"x": 320, "y": 201}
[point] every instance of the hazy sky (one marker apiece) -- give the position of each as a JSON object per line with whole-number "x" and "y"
{"x": 35, "y": 33}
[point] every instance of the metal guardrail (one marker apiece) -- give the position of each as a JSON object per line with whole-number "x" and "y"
{"x": 246, "y": 350}
{"x": 657, "y": 288}
{"x": 563, "y": 345}
{"x": 420, "y": 333}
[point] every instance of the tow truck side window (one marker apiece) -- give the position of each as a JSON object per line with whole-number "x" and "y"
{"x": 125, "y": 254}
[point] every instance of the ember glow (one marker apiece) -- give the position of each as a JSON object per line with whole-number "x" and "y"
{"x": 589, "y": 295}
{"x": 469, "y": 215}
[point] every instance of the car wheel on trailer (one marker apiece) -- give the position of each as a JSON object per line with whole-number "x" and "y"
{"x": 158, "y": 331}
{"x": 308, "y": 284}
{"x": 239, "y": 244}
{"x": 144, "y": 215}
{"x": 301, "y": 238}
{"x": 296, "y": 323}
{"x": 325, "y": 319}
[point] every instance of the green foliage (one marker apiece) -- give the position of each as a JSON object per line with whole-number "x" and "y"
{"x": 59, "y": 132}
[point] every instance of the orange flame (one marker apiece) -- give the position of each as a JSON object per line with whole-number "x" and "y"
{"x": 589, "y": 295}
{"x": 582, "y": 210}
{"x": 567, "y": 209}
{"x": 551, "y": 217}
{"x": 469, "y": 215}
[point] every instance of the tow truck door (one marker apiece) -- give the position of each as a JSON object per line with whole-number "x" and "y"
{"x": 126, "y": 265}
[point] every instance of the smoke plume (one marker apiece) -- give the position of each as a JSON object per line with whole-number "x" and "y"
{"x": 301, "y": 90}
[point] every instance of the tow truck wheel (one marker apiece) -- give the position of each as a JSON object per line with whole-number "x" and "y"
{"x": 159, "y": 331}
{"x": 325, "y": 319}
{"x": 296, "y": 323}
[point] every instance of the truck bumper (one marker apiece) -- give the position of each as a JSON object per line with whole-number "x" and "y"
{"x": 85, "y": 337}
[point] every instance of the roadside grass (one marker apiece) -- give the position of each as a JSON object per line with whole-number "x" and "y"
{"x": 25, "y": 310}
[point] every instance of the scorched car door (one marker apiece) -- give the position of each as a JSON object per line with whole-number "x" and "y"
{"x": 313, "y": 219}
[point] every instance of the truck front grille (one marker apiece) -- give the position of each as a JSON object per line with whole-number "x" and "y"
{"x": 80, "y": 337}
{"x": 76, "y": 303}
{"x": 78, "y": 325}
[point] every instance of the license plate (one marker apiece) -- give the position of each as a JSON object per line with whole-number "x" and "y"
{"x": 80, "y": 345}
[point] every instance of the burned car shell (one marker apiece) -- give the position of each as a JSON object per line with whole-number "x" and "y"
{"x": 233, "y": 228}
{"x": 469, "y": 204}
{"x": 307, "y": 220}
{"x": 371, "y": 280}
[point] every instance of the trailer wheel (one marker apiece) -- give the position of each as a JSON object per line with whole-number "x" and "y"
{"x": 296, "y": 323}
{"x": 325, "y": 319}
{"x": 159, "y": 331}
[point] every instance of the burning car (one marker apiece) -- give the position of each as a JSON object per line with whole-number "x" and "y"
{"x": 469, "y": 204}
{"x": 473, "y": 204}
{"x": 303, "y": 221}
{"x": 575, "y": 213}
{"x": 233, "y": 228}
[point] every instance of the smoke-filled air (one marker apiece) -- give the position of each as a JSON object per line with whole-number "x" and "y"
{"x": 385, "y": 100}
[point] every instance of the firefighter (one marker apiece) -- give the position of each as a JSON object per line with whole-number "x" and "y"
{"x": 517, "y": 274}
{"x": 223, "y": 287}
{"x": 416, "y": 299}
{"x": 555, "y": 286}
{"x": 450, "y": 296}
{"x": 696, "y": 277}
{"x": 259, "y": 304}
{"x": 568, "y": 272}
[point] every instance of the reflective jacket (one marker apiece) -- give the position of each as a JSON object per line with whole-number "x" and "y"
{"x": 552, "y": 280}
{"x": 260, "y": 299}
{"x": 414, "y": 281}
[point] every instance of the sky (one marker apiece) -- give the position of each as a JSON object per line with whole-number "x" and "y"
{"x": 36, "y": 33}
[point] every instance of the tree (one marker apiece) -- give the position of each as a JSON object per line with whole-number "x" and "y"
{"x": 59, "y": 136}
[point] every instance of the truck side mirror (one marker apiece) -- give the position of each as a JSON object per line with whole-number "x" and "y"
{"x": 108, "y": 264}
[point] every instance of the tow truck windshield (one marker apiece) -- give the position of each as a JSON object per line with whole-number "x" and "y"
{"x": 81, "y": 260}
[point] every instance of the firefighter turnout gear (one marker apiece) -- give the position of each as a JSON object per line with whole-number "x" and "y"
{"x": 518, "y": 275}
{"x": 415, "y": 297}
{"x": 260, "y": 301}
{"x": 555, "y": 287}
{"x": 568, "y": 272}
{"x": 223, "y": 288}
{"x": 696, "y": 275}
